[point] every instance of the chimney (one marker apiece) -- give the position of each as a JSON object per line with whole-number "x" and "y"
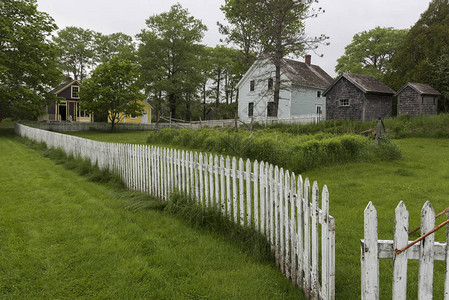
{"x": 308, "y": 59}
{"x": 69, "y": 79}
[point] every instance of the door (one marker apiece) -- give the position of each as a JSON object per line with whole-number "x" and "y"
{"x": 145, "y": 117}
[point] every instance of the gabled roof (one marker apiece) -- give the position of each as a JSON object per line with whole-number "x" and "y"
{"x": 303, "y": 74}
{"x": 64, "y": 85}
{"x": 367, "y": 84}
{"x": 420, "y": 88}
{"x": 298, "y": 73}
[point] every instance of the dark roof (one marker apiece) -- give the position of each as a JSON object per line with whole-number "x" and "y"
{"x": 367, "y": 84}
{"x": 64, "y": 85}
{"x": 421, "y": 88}
{"x": 303, "y": 74}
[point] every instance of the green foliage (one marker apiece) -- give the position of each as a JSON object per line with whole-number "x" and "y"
{"x": 77, "y": 50}
{"x": 371, "y": 52}
{"x": 423, "y": 50}
{"x": 28, "y": 69}
{"x": 295, "y": 153}
{"x": 112, "y": 89}
{"x": 115, "y": 44}
{"x": 169, "y": 54}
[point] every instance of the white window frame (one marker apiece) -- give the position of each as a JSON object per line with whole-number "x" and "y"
{"x": 78, "y": 92}
{"x": 344, "y": 102}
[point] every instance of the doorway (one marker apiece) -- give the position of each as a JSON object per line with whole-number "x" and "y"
{"x": 63, "y": 112}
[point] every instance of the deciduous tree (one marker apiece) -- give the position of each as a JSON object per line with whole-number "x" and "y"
{"x": 112, "y": 90}
{"x": 115, "y": 44}
{"x": 28, "y": 68}
{"x": 371, "y": 52}
{"x": 423, "y": 50}
{"x": 278, "y": 30}
{"x": 77, "y": 50}
{"x": 169, "y": 53}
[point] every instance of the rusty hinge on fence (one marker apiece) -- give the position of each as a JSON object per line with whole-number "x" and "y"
{"x": 399, "y": 251}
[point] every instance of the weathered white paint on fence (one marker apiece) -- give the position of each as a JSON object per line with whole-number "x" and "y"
{"x": 426, "y": 251}
{"x": 254, "y": 194}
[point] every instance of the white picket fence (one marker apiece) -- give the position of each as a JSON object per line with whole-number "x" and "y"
{"x": 259, "y": 195}
{"x": 426, "y": 251}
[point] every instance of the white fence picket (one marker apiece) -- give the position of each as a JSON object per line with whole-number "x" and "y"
{"x": 253, "y": 194}
{"x": 424, "y": 249}
{"x": 425, "y": 281}
{"x": 400, "y": 261}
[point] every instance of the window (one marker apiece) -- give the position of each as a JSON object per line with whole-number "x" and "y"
{"x": 318, "y": 94}
{"x": 271, "y": 109}
{"x": 270, "y": 83}
{"x": 319, "y": 109}
{"x": 344, "y": 102}
{"x": 75, "y": 91}
{"x": 251, "y": 85}
{"x": 250, "y": 109}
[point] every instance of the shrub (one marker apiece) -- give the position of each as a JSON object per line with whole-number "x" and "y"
{"x": 296, "y": 153}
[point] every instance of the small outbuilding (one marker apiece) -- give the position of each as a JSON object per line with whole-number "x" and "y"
{"x": 417, "y": 99}
{"x": 358, "y": 97}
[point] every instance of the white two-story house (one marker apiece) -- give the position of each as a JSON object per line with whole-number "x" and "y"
{"x": 302, "y": 85}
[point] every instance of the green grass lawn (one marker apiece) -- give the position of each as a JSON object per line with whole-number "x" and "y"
{"x": 421, "y": 175}
{"x": 62, "y": 236}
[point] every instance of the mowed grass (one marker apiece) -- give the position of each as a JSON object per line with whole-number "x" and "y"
{"x": 62, "y": 236}
{"x": 422, "y": 174}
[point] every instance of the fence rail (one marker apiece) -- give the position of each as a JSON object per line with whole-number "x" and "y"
{"x": 426, "y": 251}
{"x": 274, "y": 202}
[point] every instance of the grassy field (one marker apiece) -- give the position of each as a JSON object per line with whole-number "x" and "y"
{"x": 62, "y": 236}
{"x": 421, "y": 175}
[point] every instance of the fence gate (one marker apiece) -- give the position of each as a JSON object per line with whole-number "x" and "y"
{"x": 400, "y": 249}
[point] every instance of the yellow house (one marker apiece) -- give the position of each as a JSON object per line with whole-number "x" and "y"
{"x": 145, "y": 118}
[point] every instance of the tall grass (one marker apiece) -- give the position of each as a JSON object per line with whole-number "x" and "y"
{"x": 293, "y": 152}
{"x": 429, "y": 126}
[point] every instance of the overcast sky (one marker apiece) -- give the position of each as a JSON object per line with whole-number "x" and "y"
{"x": 341, "y": 20}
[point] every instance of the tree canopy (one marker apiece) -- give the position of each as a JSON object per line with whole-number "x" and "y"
{"x": 77, "y": 50}
{"x": 169, "y": 54}
{"x": 112, "y": 89}
{"x": 371, "y": 51}
{"x": 28, "y": 69}
{"x": 424, "y": 52}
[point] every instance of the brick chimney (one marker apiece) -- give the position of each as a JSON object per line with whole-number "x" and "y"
{"x": 308, "y": 59}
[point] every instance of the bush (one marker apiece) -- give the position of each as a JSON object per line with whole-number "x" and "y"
{"x": 297, "y": 153}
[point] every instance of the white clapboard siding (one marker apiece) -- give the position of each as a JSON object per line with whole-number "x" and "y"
{"x": 269, "y": 199}
{"x": 426, "y": 251}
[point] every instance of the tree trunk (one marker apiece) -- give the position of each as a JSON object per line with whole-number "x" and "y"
{"x": 172, "y": 101}
{"x": 188, "y": 113}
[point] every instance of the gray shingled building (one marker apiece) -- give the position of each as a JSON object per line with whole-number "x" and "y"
{"x": 358, "y": 97}
{"x": 417, "y": 99}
